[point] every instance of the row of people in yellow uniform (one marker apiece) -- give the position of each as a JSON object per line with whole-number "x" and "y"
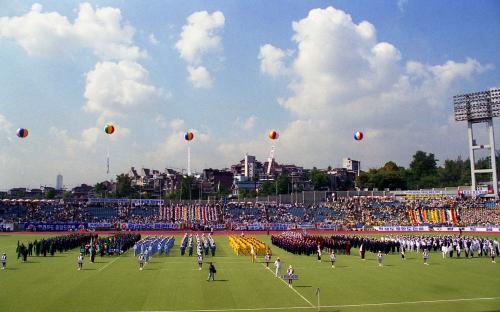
{"x": 243, "y": 245}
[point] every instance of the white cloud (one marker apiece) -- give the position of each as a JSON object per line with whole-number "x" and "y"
{"x": 153, "y": 40}
{"x": 49, "y": 33}
{"x": 176, "y": 124}
{"x": 161, "y": 121}
{"x": 5, "y": 124}
{"x": 173, "y": 149}
{"x": 115, "y": 89}
{"x": 200, "y": 77}
{"x": 74, "y": 145}
{"x": 401, "y": 5}
{"x": 246, "y": 124}
{"x": 271, "y": 60}
{"x": 89, "y": 136}
{"x": 199, "y": 37}
{"x": 342, "y": 79}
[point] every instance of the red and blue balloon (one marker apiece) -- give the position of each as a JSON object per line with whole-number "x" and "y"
{"x": 358, "y": 136}
{"x": 22, "y": 133}
{"x": 189, "y": 136}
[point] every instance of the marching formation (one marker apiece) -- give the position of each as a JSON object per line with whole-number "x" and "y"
{"x": 52, "y": 245}
{"x": 248, "y": 246}
{"x": 468, "y": 246}
{"x": 149, "y": 246}
{"x": 204, "y": 244}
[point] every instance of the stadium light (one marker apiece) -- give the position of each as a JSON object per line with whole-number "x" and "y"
{"x": 479, "y": 107}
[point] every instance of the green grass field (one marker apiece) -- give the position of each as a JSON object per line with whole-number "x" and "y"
{"x": 175, "y": 284}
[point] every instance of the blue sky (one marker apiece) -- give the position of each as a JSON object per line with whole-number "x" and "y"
{"x": 316, "y": 71}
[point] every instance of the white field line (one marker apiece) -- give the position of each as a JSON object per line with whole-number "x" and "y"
{"x": 235, "y": 309}
{"x": 332, "y": 306}
{"x": 109, "y": 263}
{"x": 312, "y": 305}
{"x": 410, "y": 302}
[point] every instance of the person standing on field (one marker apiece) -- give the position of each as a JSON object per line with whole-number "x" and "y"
{"x": 289, "y": 274}
{"x": 211, "y": 272}
{"x": 267, "y": 258}
{"x": 252, "y": 254}
{"x": 4, "y": 261}
{"x": 333, "y": 258}
{"x": 380, "y": 258}
{"x": 141, "y": 261}
{"x": 79, "y": 260}
{"x": 277, "y": 265}
{"x": 200, "y": 261}
{"x": 426, "y": 256}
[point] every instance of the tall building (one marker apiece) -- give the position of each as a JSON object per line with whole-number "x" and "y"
{"x": 351, "y": 165}
{"x": 249, "y": 166}
{"x": 59, "y": 182}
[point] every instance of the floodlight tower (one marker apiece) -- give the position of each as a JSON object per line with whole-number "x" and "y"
{"x": 479, "y": 107}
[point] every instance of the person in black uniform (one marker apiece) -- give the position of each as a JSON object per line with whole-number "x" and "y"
{"x": 211, "y": 272}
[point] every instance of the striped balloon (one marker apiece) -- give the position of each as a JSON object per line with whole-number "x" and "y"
{"x": 273, "y": 135}
{"x": 22, "y": 133}
{"x": 109, "y": 129}
{"x": 189, "y": 136}
{"x": 358, "y": 136}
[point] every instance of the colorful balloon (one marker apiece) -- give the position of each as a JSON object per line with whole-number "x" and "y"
{"x": 358, "y": 136}
{"x": 273, "y": 135}
{"x": 22, "y": 133}
{"x": 189, "y": 136}
{"x": 109, "y": 129}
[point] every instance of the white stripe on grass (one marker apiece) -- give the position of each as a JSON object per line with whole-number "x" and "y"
{"x": 312, "y": 305}
{"x": 331, "y": 306}
{"x": 236, "y": 309}
{"x": 109, "y": 263}
{"x": 410, "y": 302}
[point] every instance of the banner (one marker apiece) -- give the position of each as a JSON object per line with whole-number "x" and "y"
{"x": 148, "y": 202}
{"x": 6, "y": 227}
{"x": 256, "y": 227}
{"x": 306, "y": 226}
{"x": 402, "y": 228}
{"x": 492, "y": 229}
{"x": 150, "y": 226}
{"x": 278, "y": 227}
{"x": 54, "y": 227}
{"x": 328, "y": 226}
{"x": 109, "y": 201}
{"x": 100, "y": 226}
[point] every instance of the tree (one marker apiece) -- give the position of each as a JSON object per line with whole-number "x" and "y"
{"x": 362, "y": 180}
{"x": 283, "y": 184}
{"x": 100, "y": 189}
{"x": 66, "y": 195}
{"x": 189, "y": 189}
{"x": 123, "y": 186}
{"x": 454, "y": 173}
{"x": 390, "y": 166}
{"x": 51, "y": 194}
{"x": 267, "y": 188}
{"x": 319, "y": 179}
{"x": 423, "y": 165}
{"x": 243, "y": 193}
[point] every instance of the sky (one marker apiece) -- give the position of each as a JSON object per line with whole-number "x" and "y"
{"x": 231, "y": 71}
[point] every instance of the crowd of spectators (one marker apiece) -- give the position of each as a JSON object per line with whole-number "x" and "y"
{"x": 352, "y": 212}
